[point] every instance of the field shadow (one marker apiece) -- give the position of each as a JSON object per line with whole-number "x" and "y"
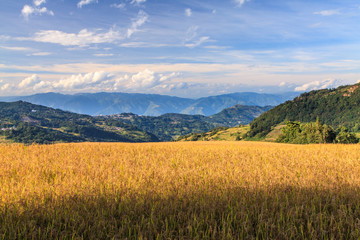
{"x": 279, "y": 213}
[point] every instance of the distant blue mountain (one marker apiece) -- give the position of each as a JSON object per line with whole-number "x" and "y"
{"x": 149, "y": 104}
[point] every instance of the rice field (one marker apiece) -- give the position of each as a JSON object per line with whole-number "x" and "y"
{"x": 187, "y": 190}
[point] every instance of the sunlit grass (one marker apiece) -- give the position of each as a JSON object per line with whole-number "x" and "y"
{"x": 211, "y": 190}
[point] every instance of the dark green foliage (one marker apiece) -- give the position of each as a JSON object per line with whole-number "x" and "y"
{"x": 28, "y": 134}
{"x": 334, "y": 107}
{"x": 314, "y": 132}
{"x": 28, "y": 123}
{"x": 344, "y": 136}
{"x": 305, "y": 133}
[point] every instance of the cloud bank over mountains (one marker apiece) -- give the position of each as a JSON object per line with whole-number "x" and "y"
{"x": 178, "y": 47}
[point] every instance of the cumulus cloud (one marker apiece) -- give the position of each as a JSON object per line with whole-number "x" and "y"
{"x": 29, "y": 81}
{"x": 71, "y": 83}
{"x": 327, "y": 12}
{"x": 148, "y": 79}
{"x": 39, "y": 2}
{"x": 85, "y": 2}
{"x": 27, "y": 11}
{"x": 142, "y": 81}
{"x": 239, "y": 3}
{"x": 5, "y": 87}
{"x": 315, "y": 85}
{"x": 140, "y": 20}
{"x": 188, "y": 12}
{"x": 82, "y": 80}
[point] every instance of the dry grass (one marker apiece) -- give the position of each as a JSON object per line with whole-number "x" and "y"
{"x": 193, "y": 190}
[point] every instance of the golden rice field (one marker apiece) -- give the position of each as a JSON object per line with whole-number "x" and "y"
{"x": 191, "y": 190}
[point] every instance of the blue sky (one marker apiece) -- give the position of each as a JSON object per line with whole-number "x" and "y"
{"x": 182, "y": 48}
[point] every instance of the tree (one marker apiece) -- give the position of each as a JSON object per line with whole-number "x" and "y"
{"x": 344, "y": 136}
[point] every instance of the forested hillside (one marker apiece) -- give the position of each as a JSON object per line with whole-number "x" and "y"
{"x": 170, "y": 126}
{"x": 29, "y": 123}
{"x": 334, "y": 107}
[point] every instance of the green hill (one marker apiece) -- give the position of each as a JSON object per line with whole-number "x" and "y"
{"x": 166, "y": 127}
{"x": 218, "y": 134}
{"x": 236, "y": 115}
{"x": 28, "y": 123}
{"x": 172, "y": 125}
{"x": 334, "y": 107}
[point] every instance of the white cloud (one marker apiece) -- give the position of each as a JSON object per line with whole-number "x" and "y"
{"x": 103, "y": 81}
{"x": 240, "y": 2}
{"x": 41, "y": 54}
{"x": 144, "y": 79}
{"x": 5, "y": 87}
{"x": 148, "y": 79}
{"x": 73, "y": 83}
{"x": 103, "y": 54}
{"x": 83, "y": 38}
{"x": 140, "y": 20}
{"x": 328, "y": 12}
{"x": 120, "y": 5}
{"x": 16, "y": 48}
{"x": 315, "y": 85}
{"x": 39, "y": 2}
{"x": 282, "y": 84}
{"x": 137, "y": 2}
{"x": 188, "y": 12}
{"x": 85, "y": 2}
{"x": 86, "y": 37}
{"x": 191, "y": 33}
{"x": 191, "y": 37}
{"x": 29, "y": 10}
{"x": 5, "y": 37}
{"x": 198, "y": 42}
{"x": 29, "y": 81}
{"x": 81, "y": 81}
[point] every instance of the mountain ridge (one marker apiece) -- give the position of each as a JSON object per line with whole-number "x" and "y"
{"x": 104, "y": 103}
{"x": 30, "y": 123}
{"x": 169, "y": 126}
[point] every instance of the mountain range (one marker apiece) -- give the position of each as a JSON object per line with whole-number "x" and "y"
{"x": 172, "y": 125}
{"x": 29, "y": 123}
{"x": 25, "y": 122}
{"x": 149, "y": 104}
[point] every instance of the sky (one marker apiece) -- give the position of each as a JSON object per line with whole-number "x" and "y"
{"x": 186, "y": 48}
